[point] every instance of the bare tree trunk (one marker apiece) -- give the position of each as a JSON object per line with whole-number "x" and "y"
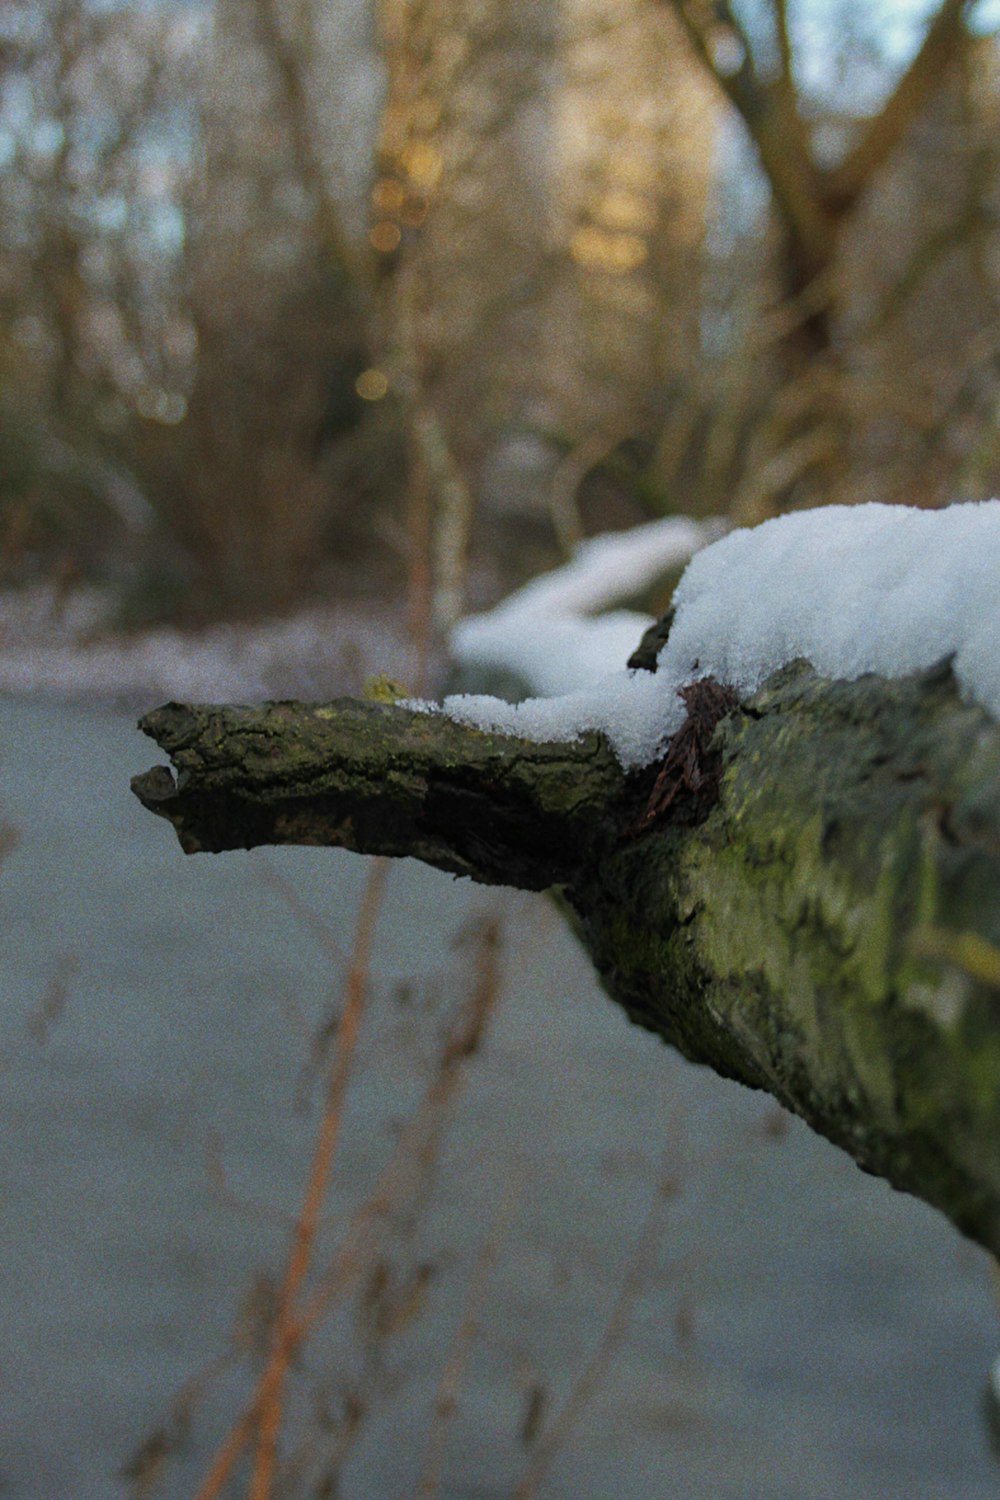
{"x": 812, "y": 202}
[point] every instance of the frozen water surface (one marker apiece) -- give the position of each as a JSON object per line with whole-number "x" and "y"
{"x": 802, "y": 1333}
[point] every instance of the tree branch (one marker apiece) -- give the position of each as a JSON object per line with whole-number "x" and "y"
{"x": 945, "y": 35}
{"x": 380, "y": 779}
{"x": 784, "y": 41}
{"x": 815, "y": 913}
{"x": 812, "y": 201}
{"x": 770, "y": 112}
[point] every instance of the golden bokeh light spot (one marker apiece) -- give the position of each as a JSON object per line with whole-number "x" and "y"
{"x": 395, "y": 123}
{"x": 599, "y": 250}
{"x": 635, "y": 170}
{"x": 388, "y": 195}
{"x": 612, "y": 121}
{"x": 385, "y": 237}
{"x": 423, "y": 165}
{"x": 452, "y": 49}
{"x": 626, "y": 211}
{"x": 372, "y": 385}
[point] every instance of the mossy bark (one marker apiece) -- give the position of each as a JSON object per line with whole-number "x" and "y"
{"x": 827, "y": 929}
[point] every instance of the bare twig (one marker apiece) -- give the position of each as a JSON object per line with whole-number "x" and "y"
{"x": 770, "y": 114}
{"x": 418, "y": 1143}
{"x": 290, "y": 56}
{"x": 406, "y": 1192}
{"x": 223, "y": 1192}
{"x": 569, "y": 474}
{"x": 942, "y": 40}
{"x": 53, "y": 1003}
{"x": 784, "y": 41}
{"x": 301, "y": 910}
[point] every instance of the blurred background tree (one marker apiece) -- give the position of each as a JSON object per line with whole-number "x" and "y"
{"x": 299, "y": 294}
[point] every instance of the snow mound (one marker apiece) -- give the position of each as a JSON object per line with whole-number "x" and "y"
{"x": 544, "y": 634}
{"x": 853, "y": 589}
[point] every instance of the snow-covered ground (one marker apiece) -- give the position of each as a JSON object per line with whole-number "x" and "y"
{"x": 854, "y": 589}
{"x": 70, "y": 651}
{"x": 68, "y": 648}
{"x": 562, "y": 631}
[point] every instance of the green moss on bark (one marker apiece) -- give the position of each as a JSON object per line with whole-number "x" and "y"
{"x": 781, "y": 940}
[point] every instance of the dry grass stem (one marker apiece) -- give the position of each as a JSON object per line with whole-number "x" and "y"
{"x": 420, "y": 1142}
{"x": 264, "y": 1411}
{"x": 300, "y": 1258}
{"x": 415, "y": 1152}
{"x": 301, "y": 910}
{"x": 10, "y": 837}
{"x": 52, "y": 1005}
{"x": 223, "y": 1192}
{"x": 565, "y": 484}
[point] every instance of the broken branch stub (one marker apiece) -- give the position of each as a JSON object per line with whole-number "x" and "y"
{"x": 380, "y": 779}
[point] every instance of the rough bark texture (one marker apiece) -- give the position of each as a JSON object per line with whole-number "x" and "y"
{"x": 821, "y": 921}
{"x": 381, "y": 780}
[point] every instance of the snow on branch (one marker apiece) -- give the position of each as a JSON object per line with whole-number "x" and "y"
{"x": 561, "y": 632}
{"x": 851, "y": 589}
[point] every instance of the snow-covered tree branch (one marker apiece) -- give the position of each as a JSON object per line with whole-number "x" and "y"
{"x": 792, "y": 878}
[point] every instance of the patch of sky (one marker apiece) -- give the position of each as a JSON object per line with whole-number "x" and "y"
{"x": 20, "y": 24}
{"x": 757, "y": 18}
{"x": 17, "y": 103}
{"x": 109, "y": 7}
{"x": 848, "y": 55}
{"x": 47, "y": 137}
{"x": 109, "y": 213}
{"x": 166, "y": 227}
{"x": 743, "y": 199}
{"x": 895, "y": 27}
{"x": 984, "y": 17}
